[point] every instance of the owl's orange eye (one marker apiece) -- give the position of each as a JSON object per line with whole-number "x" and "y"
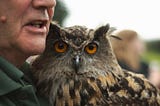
{"x": 91, "y": 48}
{"x": 60, "y": 46}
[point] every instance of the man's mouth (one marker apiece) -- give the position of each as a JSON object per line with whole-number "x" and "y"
{"x": 37, "y": 24}
{"x": 39, "y": 27}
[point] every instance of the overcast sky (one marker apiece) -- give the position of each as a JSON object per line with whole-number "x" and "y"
{"x": 142, "y": 16}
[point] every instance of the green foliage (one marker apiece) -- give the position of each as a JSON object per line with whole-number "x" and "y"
{"x": 60, "y": 13}
{"x": 153, "y": 51}
{"x": 154, "y": 45}
{"x": 152, "y": 56}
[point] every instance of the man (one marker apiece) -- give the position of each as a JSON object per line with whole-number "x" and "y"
{"x": 24, "y": 25}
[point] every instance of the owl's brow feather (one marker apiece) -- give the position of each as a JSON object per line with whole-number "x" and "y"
{"x": 75, "y": 46}
{"x": 68, "y": 40}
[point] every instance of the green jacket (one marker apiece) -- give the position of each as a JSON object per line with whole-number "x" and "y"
{"x": 15, "y": 89}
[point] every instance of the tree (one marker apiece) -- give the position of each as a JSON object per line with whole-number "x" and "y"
{"x": 61, "y": 12}
{"x": 154, "y": 45}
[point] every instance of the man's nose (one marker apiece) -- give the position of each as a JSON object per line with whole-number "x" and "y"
{"x": 44, "y": 3}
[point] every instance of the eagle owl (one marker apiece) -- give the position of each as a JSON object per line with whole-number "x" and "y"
{"x": 78, "y": 68}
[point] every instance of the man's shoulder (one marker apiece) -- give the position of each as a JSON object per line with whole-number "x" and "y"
{"x": 15, "y": 90}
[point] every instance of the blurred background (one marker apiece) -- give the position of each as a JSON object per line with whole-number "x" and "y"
{"x": 141, "y": 16}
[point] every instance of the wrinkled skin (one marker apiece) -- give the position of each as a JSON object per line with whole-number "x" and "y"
{"x": 18, "y": 38}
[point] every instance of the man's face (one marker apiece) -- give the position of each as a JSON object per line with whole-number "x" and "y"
{"x": 27, "y": 24}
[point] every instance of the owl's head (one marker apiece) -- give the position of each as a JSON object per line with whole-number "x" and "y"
{"x": 77, "y": 51}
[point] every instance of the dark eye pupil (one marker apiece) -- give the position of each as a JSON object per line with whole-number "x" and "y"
{"x": 61, "y": 45}
{"x": 91, "y": 47}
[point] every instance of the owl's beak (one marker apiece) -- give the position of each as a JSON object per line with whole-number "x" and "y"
{"x": 76, "y": 63}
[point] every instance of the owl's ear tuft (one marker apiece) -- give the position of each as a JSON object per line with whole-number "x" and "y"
{"x": 54, "y": 30}
{"x": 102, "y": 30}
{"x": 54, "y": 27}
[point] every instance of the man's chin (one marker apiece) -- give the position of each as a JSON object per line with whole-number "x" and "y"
{"x": 35, "y": 51}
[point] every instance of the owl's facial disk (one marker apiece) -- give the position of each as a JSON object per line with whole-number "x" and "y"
{"x": 77, "y": 60}
{"x": 76, "y": 57}
{"x": 75, "y": 47}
